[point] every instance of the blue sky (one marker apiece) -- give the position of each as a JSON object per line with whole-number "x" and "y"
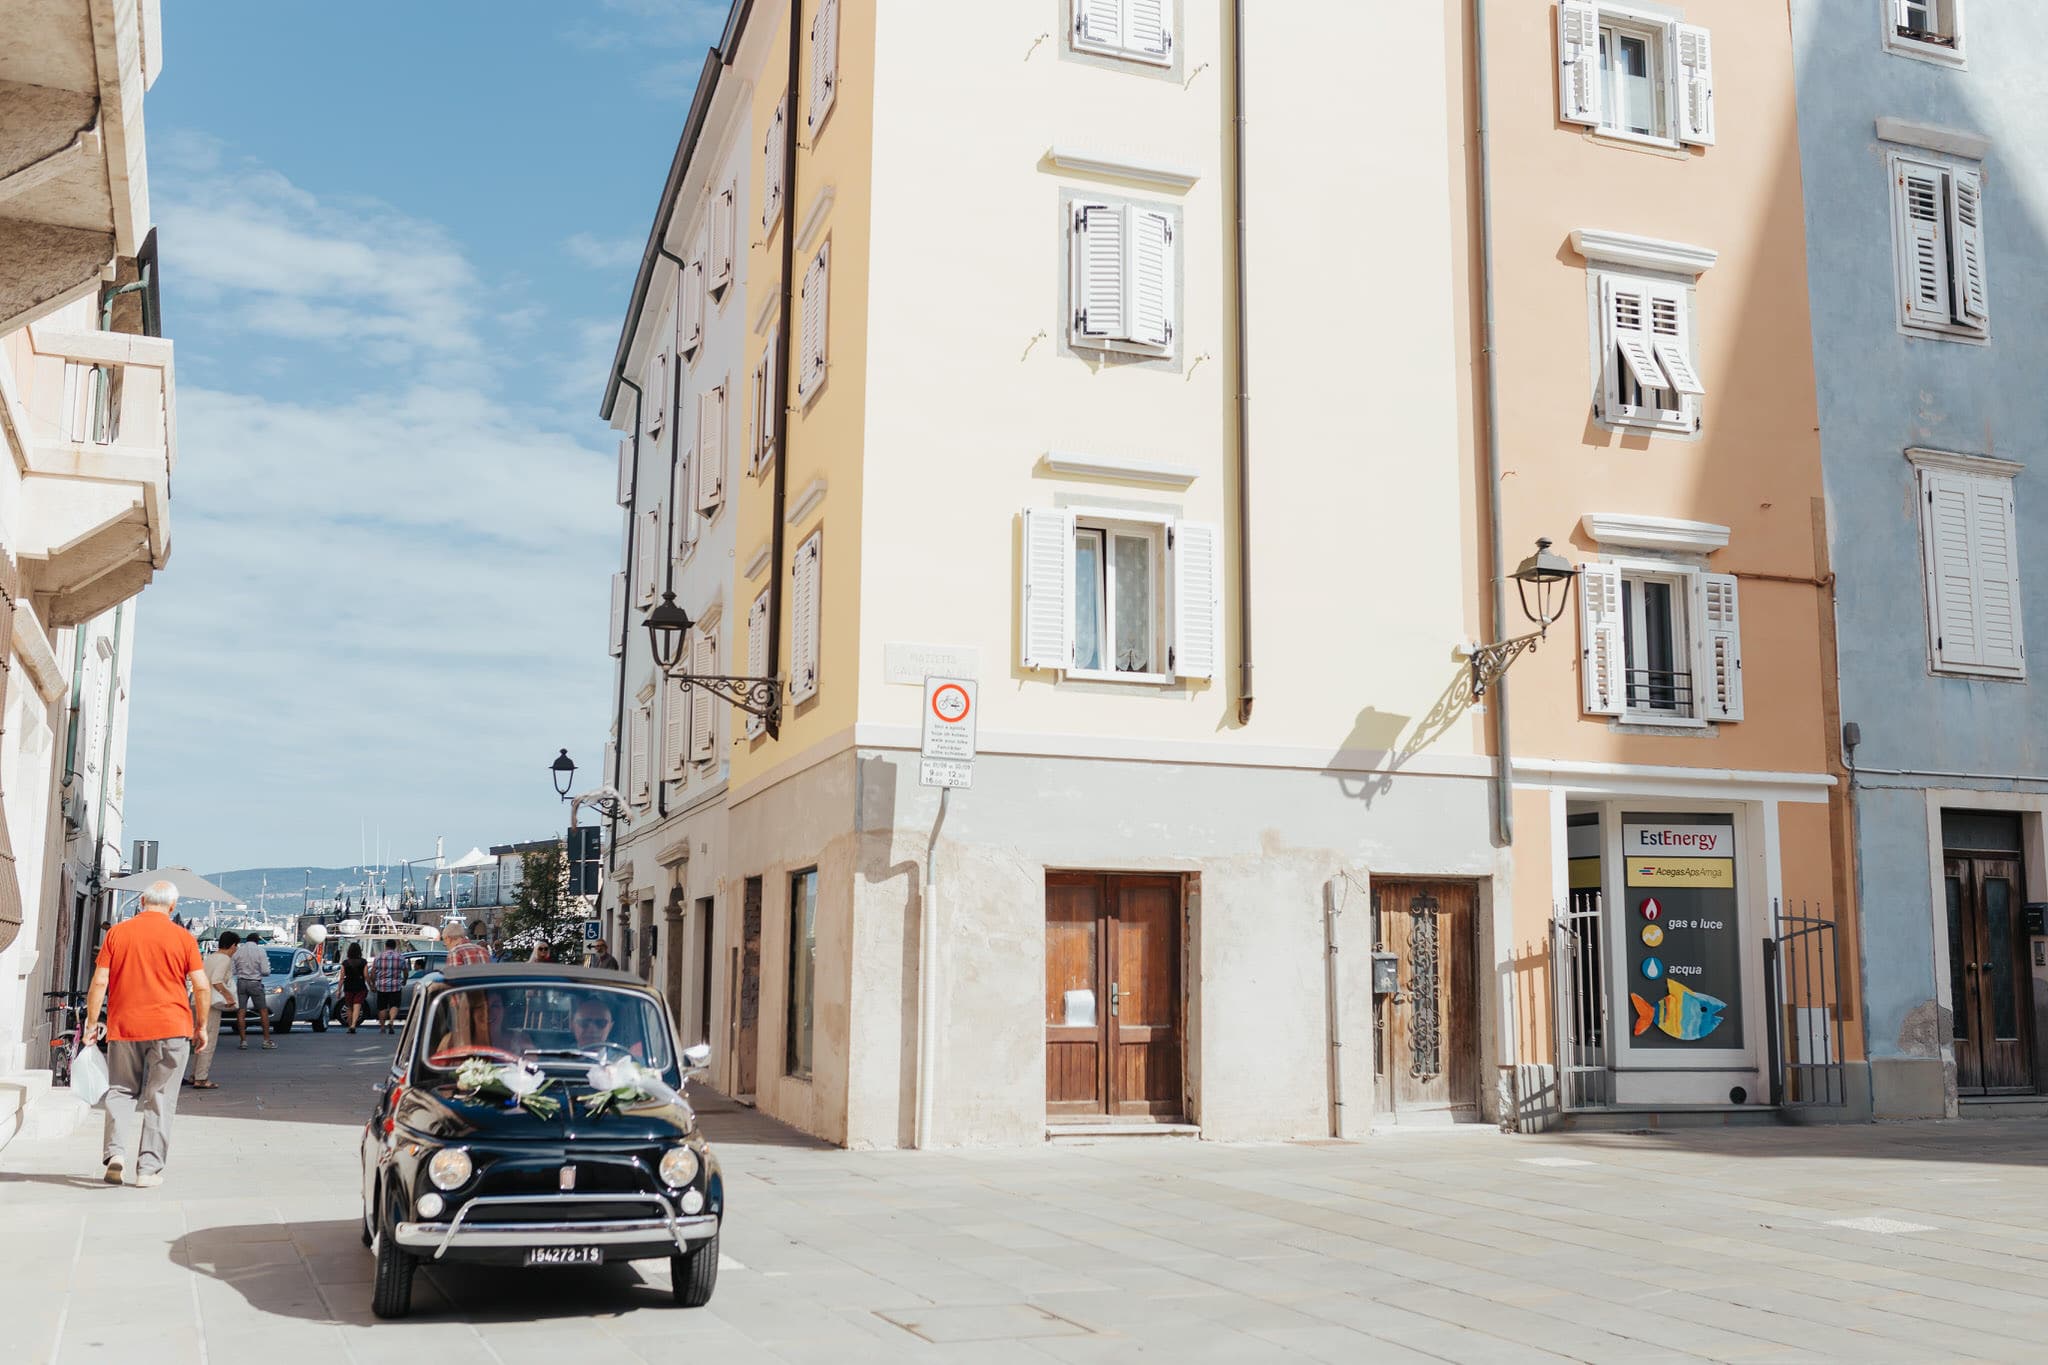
{"x": 397, "y": 241}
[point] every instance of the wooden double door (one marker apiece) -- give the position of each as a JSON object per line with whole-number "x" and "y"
{"x": 1113, "y": 1004}
{"x": 1990, "y": 980}
{"x": 1427, "y": 1054}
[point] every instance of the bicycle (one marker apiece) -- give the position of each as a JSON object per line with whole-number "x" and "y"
{"x": 66, "y": 1024}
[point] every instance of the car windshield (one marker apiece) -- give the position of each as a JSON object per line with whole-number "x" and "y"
{"x": 552, "y": 1023}
{"x": 281, "y": 958}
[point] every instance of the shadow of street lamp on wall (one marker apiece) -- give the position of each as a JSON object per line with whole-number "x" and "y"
{"x": 1544, "y": 583}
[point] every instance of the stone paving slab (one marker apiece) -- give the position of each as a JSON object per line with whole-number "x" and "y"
{"x": 1875, "y": 1243}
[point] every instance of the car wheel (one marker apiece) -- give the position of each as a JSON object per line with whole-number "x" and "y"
{"x": 391, "y": 1295}
{"x": 285, "y": 1017}
{"x": 693, "y": 1276}
{"x": 319, "y": 1019}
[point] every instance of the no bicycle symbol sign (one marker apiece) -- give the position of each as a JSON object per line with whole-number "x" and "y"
{"x": 947, "y": 757}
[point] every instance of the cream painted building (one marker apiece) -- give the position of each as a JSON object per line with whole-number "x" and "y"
{"x": 993, "y": 287}
{"x": 88, "y": 419}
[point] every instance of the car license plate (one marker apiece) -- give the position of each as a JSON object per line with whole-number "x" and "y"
{"x": 565, "y": 1256}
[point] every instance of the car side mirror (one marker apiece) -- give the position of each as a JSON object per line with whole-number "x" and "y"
{"x": 697, "y": 1058}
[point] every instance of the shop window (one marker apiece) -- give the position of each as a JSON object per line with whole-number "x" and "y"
{"x": 803, "y": 972}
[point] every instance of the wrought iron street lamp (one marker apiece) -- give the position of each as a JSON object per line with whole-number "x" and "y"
{"x": 564, "y": 770}
{"x": 1549, "y": 577}
{"x": 668, "y": 626}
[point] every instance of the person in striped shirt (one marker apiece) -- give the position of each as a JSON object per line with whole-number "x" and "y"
{"x": 387, "y": 979}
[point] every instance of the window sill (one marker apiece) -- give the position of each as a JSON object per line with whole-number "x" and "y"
{"x": 1104, "y": 675}
{"x": 1966, "y": 335}
{"x": 1654, "y": 720}
{"x": 1939, "y": 54}
{"x": 1960, "y": 674}
{"x": 1627, "y": 138}
{"x": 1624, "y": 420}
{"x": 1124, "y": 348}
{"x": 1121, "y": 54}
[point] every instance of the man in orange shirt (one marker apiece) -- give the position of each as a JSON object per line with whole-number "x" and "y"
{"x": 159, "y": 1008}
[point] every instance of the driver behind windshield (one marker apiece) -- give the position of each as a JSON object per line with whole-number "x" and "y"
{"x": 591, "y": 1025}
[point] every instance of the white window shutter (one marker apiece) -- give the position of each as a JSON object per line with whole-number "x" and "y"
{"x": 1048, "y": 616}
{"x": 1695, "y": 86}
{"x": 1603, "y": 664}
{"x": 1995, "y": 536}
{"x": 1578, "y": 55}
{"x": 1923, "y": 245}
{"x": 762, "y": 448}
{"x": 657, "y": 394}
{"x": 642, "y": 738}
{"x": 615, "y": 629}
{"x": 803, "y": 619}
{"x": 1671, "y": 341}
{"x": 690, "y": 314}
{"x": 1197, "y": 609}
{"x": 757, "y": 654}
{"x": 824, "y": 60}
{"x": 771, "y": 166}
{"x": 703, "y": 704}
{"x": 613, "y": 778}
{"x": 710, "y": 448}
{"x": 648, "y": 554}
{"x": 1628, "y": 309}
{"x": 724, "y": 211}
{"x": 675, "y": 722}
{"x": 1717, "y": 643}
{"x": 817, "y": 294}
{"x": 1150, "y": 309}
{"x": 1966, "y": 245}
{"x": 1148, "y": 29}
{"x": 1952, "y": 571}
{"x": 1098, "y": 270}
{"x": 1099, "y": 23}
{"x": 626, "y": 472}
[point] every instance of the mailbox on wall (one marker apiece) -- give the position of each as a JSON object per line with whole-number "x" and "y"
{"x": 1386, "y": 974}
{"x": 2037, "y": 918}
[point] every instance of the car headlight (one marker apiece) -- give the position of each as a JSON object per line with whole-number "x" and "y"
{"x": 678, "y": 1166}
{"x": 450, "y": 1168}
{"x": 430, "y": 1205}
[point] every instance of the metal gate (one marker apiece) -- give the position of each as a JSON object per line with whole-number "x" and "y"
{"x": 1579, "y": 973}
{"x": 1802, "y": 978}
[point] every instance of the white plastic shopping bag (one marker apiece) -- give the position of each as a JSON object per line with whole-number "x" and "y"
{"x": 88, "y": 1074}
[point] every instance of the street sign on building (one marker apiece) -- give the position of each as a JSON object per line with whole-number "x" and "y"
{"x": 951, "y": 709}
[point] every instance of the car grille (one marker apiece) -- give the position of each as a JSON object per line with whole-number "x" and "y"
{"x": 616, "y": 1175}
{"x": 557, "y": 1211}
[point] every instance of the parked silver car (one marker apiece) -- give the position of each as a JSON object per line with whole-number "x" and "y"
{"x": 295, "y": 989}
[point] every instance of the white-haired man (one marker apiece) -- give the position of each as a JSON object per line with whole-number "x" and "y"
{"x": 159, "y": 1008}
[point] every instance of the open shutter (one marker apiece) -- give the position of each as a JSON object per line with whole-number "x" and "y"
{"x": 816, "y": 293}
{"x": 682, "y": 530}
{"x": 1148, "y": 29}
{"x": 1578, "y": 55}
{"x": 1150, "y": 310}
{"x": 675, "y": 723}
{"x": 766, "y": 375}
{"x": 1717, "y": 670}
{"x": 1098, "y": 285}
{"x": 757, "y": 654}
{"x": 1695, "y": 86}
{"x": 690, "y": 314}
{"x": 703, "y": 715}
{"x": 626, "y": 472}
{"x": 1048, "y": 588}
{"x": 1671, "y": 341}
{"x": 1197, "y": 610}
{"x": 657, "y": 394}
{"x": 1951, "y": 571}
{"x": 647, "y": 554}
{"x": 613, "y": 777}
{"x": 723, "y": 212}
{"x": 710, "y": 449}
{"x": 1628, "y": 308}
{"x": 824, "y": 60}
{"x": 1993, "y": 544}
{"x": 1099, "y": 23}
{"x": 1602, "y": 662}
{"x": 1922, "y": 245}
{"x": 615, "y": 628}
{"x": 771, "y": 167}
{"x": 803, "y": 619}
{"x": 642, "y": 738}
{"x": 1966, "y": 245}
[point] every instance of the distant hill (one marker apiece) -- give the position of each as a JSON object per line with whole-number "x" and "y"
{"x": 287, "y": 886}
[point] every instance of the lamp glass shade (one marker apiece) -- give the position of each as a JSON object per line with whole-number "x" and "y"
{"x": 564, "y": 771}
{"x": 667, "y": 627}
{"x": 1545, "y": 572}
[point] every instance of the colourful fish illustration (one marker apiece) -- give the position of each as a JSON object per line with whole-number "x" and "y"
{"x": 1684, "y": 1014}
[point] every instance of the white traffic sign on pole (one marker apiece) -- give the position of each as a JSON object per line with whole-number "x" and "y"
{"x": 951, "y": 707}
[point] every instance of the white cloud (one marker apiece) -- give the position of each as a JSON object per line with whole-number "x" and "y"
{"x": 603, "y": 253}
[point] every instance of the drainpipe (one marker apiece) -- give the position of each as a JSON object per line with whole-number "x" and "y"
{"x": 1241, "y": 365}
{"x": 1334, "y": 1002}
{"x": 675, "y": 459}
{"x": 625, "y": 618}
{"x": 99, "y": 832}
{"x": 1503, "y": 776}
{"x": 779, "y": 476}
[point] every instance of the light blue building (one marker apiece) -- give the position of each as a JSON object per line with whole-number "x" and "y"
{"x": 1923, "y": 138}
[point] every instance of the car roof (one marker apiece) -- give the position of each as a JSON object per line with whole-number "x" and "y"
{"x": 529, "y": 972}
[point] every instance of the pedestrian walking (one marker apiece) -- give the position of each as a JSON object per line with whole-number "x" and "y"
{"x": 220, "y": 975}
{"x": 387, "y": 979}
{"x": 601, "y": 956}
{"x": 355, "y": 986}
{"x": 159, "y": 1008}
{"x": 463, "y": 948}
{"x": 252, "y": 965}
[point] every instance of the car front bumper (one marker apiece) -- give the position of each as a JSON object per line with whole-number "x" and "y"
{"x": 662, "y": 1233}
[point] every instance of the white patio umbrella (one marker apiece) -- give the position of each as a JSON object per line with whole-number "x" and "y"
{"x": 191, "y": 886}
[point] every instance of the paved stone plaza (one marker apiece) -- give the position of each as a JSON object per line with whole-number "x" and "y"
{"x": 1911, "y": 1243}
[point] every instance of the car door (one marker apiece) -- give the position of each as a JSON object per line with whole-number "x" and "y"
{"x": 303, "y": 984}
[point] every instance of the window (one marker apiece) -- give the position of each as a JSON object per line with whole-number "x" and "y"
{"x": 1971, "y": 549}
{"x": 1648, "y": 376}
{"x": 803, "y": 618}
{"x": 683, "y": 528}
{"x": 703, "y": 705}
{"x": 648, "y": 553}
{"x": 690, "y": 303}
{"x": 1931, "y": 30}
{"x": 1938, "y": 230}
{"x": 626, "y": 472}
{"x": 803, "y": 972}
{"x": 767, "y": 374}
{"x": 771, "y": 164}
{"x": 642, "y": 738}
{"x": 675, "y": 727}
{"x": 1140, "y": 30}
{"x": 657, "y": 394}
{"x": 1661, "y": 643}
{"x": 1634, "y": 74}
{"x": 617, "y": 628}
{"x": 710, "y": 449}
{"x": 1123, "y": 277}
{"x": 816, "y": 295}
{"x": 1120, "y": 597}
{"x": 757, "y": 655}
{"x": 723, "y": 214}
{"x": 824, "y": 62}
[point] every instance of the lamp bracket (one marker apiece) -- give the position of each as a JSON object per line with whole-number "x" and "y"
{"x": 1490, "y": 663}
{"x": 604, "y": 801}
{"x": 756, "y": 696}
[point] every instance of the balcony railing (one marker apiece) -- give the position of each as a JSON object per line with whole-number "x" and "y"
{"x": 1656, "y": 691}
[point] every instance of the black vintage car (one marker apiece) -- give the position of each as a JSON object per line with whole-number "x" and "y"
{"x": 534, "y": 1116}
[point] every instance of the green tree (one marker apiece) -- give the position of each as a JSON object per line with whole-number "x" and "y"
{"x": 545, "y": 907}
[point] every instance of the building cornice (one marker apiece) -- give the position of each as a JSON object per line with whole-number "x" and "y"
{"x": 1154, "y": 472}
{"x": 1981, "y": 465}
{"x": 1080, "y": 161}
{"x": 1933, "y": 137}
{"x": 800, "y": 506}
{"x": 1642, "y": 253}
{"x": 756, "y": 562}
{"x": 814, "y": 217}
{"x": 1654, "y": 533}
